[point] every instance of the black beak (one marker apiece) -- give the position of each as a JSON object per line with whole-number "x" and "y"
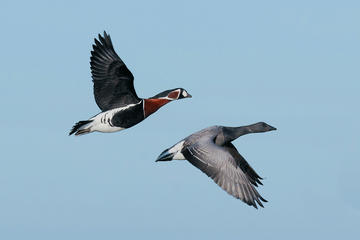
{"x": 189, "y": 96}
{"x": 272, "y": 128}
{"x": 165, "y": 156}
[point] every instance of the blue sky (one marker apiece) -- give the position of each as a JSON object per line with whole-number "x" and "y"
{"x": 292, "y": 65}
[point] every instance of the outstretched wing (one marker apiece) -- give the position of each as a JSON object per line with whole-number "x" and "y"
{"x": 253, "y": 177}
{"x": 226, "y": 171}
{"x": 113, "y": 82}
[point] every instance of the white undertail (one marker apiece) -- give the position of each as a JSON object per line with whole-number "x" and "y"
{"x": 177, "y": 148}
{"x": 102, "y": 122}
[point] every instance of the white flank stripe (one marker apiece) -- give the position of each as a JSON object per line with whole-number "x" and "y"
{"x": 102, "y": 121}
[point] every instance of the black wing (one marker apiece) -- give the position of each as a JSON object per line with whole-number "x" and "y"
{"x": 113, "y": 82}
{"x": 220, "y": 165}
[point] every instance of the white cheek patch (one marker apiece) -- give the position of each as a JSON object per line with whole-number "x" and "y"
{"x": 185, "y": 94}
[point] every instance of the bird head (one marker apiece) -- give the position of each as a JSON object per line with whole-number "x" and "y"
{"x": 261, "y": 127}
{"x": 173, "y": 94}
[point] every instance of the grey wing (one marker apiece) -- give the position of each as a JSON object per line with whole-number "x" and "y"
{"x": 113, "y": 82}
{"x": 253, "y": 177}
{"x": 219, "y": 164}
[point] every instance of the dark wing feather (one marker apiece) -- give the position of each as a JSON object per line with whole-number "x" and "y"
{"x": 253, "y": 177}
{"x": 220, "y": 165}
{"x": 113, "y": 82}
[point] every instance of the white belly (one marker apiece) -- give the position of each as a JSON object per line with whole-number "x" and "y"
{"x": 102, "y": 122}
{"x": 105, "y": 128}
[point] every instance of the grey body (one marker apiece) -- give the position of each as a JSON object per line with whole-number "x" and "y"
{"x": 212, "y": 152}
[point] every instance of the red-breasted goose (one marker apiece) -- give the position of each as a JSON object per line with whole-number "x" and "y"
{"x": 212, "y": 152}
{"x": 115, "y": 94}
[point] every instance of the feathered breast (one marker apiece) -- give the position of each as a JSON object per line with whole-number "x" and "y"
{"x": 152, "y": 105}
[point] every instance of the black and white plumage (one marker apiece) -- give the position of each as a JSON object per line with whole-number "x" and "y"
{"x": 115, "y": 93}
{"x": 212, "y": 152}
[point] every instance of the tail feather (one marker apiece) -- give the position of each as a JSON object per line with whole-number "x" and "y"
{"x": 79, "y": 129}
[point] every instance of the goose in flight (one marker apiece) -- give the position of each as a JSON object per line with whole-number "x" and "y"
{"x": 212, "y": 152}
{"x": 115, "y": 95}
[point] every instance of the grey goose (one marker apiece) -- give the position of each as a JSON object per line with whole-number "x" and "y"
{"x": 212, "y": 152}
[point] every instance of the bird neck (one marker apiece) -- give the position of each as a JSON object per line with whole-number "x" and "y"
{"x": 232, "y": 133}
{"x": 151, "y": 105}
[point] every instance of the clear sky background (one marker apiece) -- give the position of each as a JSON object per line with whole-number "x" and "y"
{"x": 292, "y": 65}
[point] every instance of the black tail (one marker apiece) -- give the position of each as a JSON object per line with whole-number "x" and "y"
{"x": 78, "y": 125}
